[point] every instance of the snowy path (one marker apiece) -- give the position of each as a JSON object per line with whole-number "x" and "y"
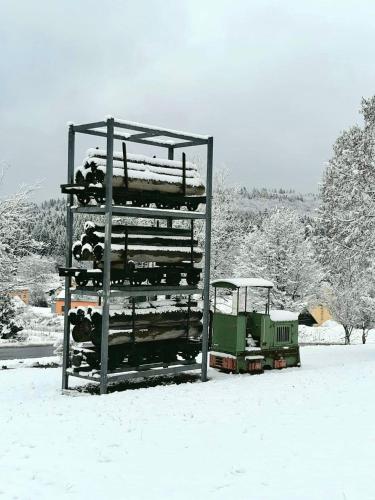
{"x": 303, "y": 433}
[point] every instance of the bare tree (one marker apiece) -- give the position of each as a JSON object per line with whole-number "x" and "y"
{"x": 16, "y": 211}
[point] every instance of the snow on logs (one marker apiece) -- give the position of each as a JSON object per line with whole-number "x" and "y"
{"x": 161, "y": 245}
{"x": 169, "y": 320}
{"x": 144, "y": 173}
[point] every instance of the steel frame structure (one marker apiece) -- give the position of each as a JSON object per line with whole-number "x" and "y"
{"x": 150, "y": 136}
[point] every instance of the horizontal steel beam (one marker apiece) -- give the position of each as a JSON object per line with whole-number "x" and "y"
{"x": 144, "y": 135}
{"x": 88, "y": 126}
{"x": 189, "y": 144}
{"x": 127, "y": 137}
{"x": 175, "y": 134}
{"x": 146, "y": 131}
{"x": 153, "y": 372}
{"x": 154, "y": 213}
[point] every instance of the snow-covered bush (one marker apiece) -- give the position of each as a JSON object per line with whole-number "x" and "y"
{"x": 9, "y": 326}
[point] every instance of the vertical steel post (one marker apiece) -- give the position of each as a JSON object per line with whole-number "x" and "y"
{"x": 68, "y": 259}
{"x": 170, "y": 157}
{"x": 107, "y": 259}
{"x": 207, "y": 259}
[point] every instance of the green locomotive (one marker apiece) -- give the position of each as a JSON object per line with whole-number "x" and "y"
{"x": 244, "y": 341}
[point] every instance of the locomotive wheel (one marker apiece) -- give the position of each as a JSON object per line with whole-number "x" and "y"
{"x": 92, "y": 360}
{"x": 99, "y": 198}
{"x": 162, "y": 205}
{"x": 189, "y": 353}
{"x": 83, "y": 198}
{"x": 173, "y": 278}
{"x": 192, "y": 278}
{"x": 135, "y": 359}
{"x": 115, "y": 358}
{"x": 169, "y": 355}
{"x": 155, "y": 279}
{"x": 138, "y": 279}
{"x": 192, "y": 206}
{"x": 136, "y": 203}
{"x": 81, "y": 280}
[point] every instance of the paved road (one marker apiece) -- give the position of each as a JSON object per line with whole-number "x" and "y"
{"x": 23, "y": 352}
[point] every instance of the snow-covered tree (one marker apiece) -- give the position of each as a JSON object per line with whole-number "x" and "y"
{"x": 350, "y": 298}
{"x": 345, "y": 229}
{"x": 9, "y": 329}
{"x": 279, "y": 251}
{"x": 15, "y": 242}
{"x": 228, "y": 225}
{"x": 347, "y": 213}
{"x": 40, "y": 275}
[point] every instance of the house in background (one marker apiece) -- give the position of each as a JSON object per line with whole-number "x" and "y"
{"x": 314, "y": 315}
{"x": 58, "y": 304}
{"x": 320, "y": 313}
{"x": 22, "y": 293}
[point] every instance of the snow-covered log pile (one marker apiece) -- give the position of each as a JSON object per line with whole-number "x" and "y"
{"x": 144, "y": 173}
{"x": 148, "y": 245}
{"x": 158, "y": 320}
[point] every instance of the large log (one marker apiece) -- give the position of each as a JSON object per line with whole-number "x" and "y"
{"x": 82, "y": 331}
{"x": 149, "y": 317}
{"x": 142, "y": 253}
{"x": 94, "y": 164}
{"x": 120, "y": 239}
{"x": 91, "y": 227}
{"x": 149, "y": 181}
{"x": 117, "y": 337}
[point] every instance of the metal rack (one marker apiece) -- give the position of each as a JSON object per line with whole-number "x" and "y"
{"x": 113, "y": 129}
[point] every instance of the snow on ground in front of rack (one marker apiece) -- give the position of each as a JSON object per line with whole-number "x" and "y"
{"x": 300, "y": 433}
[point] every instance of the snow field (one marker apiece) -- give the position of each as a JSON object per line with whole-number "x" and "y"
{"x": 301, "y": 433}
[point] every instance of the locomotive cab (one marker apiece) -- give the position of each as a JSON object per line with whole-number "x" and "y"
{"x": 250, "y": 341}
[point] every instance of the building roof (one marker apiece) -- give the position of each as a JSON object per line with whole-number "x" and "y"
{"x": 241, "y": 282}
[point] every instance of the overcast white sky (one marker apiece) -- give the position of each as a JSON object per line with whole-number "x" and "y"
{"x": 273, "y": 81}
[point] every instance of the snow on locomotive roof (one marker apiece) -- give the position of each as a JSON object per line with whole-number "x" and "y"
{"x": 283, "y": 315}
{"x": 242, "y": 282}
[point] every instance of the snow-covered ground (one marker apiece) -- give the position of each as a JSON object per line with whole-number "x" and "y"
{"x": 301, "y": 433}
{"x": 331, "y": 333}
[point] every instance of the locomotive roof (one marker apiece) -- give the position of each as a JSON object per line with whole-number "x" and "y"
{"x": 241, "y": 282}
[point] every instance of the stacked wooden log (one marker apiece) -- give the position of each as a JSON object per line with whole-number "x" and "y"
{"x": 139, "y": 244}
{"x": 143, "y": 173}
{"x": 145, "y": 332}
{"x": 148, "y": 321}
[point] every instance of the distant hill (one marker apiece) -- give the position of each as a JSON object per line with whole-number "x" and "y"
{"x": 258, "y": 201}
